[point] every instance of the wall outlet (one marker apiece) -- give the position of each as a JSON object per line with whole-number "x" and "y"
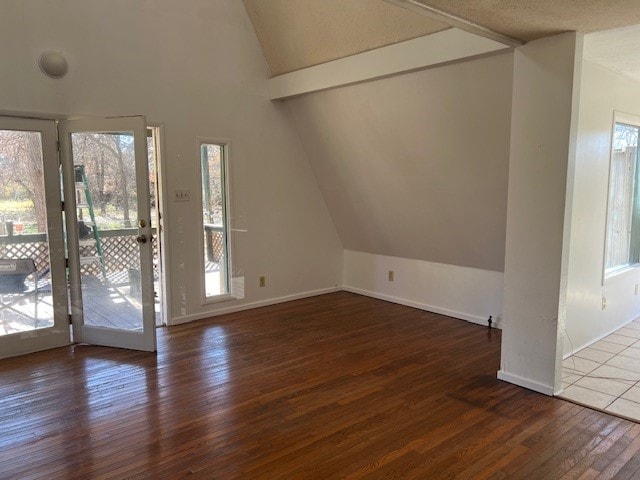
{"x": 262, "y": 281}
{"x": 391, "y": 275}
{"x": 636, "y": 290}
{"x": 604, "y": 303}
{"x": 181, "y": 195}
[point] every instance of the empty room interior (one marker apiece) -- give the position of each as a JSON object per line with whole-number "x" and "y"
{"x": 278, "y": 239}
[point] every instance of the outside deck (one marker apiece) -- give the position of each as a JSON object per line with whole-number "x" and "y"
{"x": 112, "y": 301}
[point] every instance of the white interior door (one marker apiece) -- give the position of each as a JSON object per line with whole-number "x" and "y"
{"x": 106, "y": 198}
{"x": 33, "y": 298}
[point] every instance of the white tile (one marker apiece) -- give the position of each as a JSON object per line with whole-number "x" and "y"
{"x": 627, "y": 363}
{"x": 581, "y": 365}
{"x": 595, "y": 355}
{"x": 603, "y": 385}
{"x": 632, "y": 352}
{"x": 620, "y": 339}
{"x": 615, "y": 373}
{"x": 566, "y": 372}
{"x": 632, "y": 394}
{"x": 628, "y": 332}
{"x": 608, "y": 346}
{"x": 570, "y": 378}
{"x": 626, "y": 408}
{"x": 587, "y": 397}
{"x": 635, "y": 324}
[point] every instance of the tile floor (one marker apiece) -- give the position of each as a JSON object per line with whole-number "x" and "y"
{"x": 606, "y": 375}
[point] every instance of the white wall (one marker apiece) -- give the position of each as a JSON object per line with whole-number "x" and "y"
{"x": 602, "y": 92}
{"x": 544, "y": 110}
{"x": 416, "y": 165}
{"x": 461, "y": 292}
{"x": 414, "y": 171}
{"x": 197, "y": 67}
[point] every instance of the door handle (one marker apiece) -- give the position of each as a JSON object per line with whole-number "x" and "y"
{"x": 141, "y": 239}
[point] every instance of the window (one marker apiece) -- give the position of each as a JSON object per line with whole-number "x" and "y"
{"x": 623, "y": 215}
{"x": 214, "y": 219}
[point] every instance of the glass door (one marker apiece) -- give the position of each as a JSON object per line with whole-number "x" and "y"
{"x": 106, "y": 198}
{"x": 33, "y": 299}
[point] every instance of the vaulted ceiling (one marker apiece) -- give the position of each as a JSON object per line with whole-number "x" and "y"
{"x": 300, "y": 33}
{"x": 296, "y": 34}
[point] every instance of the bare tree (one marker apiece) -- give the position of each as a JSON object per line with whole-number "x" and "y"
{"x": 23, "y": 170}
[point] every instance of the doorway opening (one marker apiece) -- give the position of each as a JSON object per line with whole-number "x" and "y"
{"x": 154, "y": 152}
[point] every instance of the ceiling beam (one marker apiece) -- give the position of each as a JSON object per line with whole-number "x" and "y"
{"x": 454, "y": 21}
{"x": 448, "y": 46}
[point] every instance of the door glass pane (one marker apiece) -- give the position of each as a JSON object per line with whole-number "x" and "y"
{"x": 25, "y": 282}
{"x": 104, "y": 166}
{"x": 214, "y": 220}
{"x": 622, "y": 205}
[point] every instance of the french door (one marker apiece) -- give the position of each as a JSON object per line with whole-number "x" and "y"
{"x": 111, "y": 289}
{"x": 99, "y": 273}
{"x": 33, "y": 291}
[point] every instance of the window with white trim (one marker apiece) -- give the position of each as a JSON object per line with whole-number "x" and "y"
{"x": 623, "y": 210}
{"x": 214, "y": 219}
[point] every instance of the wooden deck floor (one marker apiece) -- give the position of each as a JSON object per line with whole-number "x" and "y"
{"x": 107, "y": 304}
{"x": 336, "y": 386}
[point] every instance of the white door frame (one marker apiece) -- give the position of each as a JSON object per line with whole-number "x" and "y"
{"x": 162, "y": 221}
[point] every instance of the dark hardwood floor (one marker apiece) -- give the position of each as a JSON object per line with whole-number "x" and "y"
{"x": 337, "y": 386}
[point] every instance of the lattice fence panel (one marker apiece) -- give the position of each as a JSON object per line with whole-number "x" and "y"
{"x": 36, "y": 250}
{"x": 120, "y": 254}
{"x": 214, "y": 240}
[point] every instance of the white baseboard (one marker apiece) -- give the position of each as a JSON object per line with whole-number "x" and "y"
{"x": 421, "y": 306}
{"x": 248, "y": 306}
{"x": 526, "y": 383}
{"x": 597, "y": 339}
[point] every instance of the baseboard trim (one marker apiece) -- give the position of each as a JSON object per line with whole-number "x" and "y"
{"x": 525, "y": 382}
{"x": 421, "y": 306}
{"x": 367, "y": 293}
{"x": 597, "y": 339}
{"x": 248, "y": 306}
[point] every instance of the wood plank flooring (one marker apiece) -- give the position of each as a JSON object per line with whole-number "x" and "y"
{"x": 336, "y": 386}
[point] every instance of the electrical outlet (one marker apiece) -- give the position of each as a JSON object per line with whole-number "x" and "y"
{"x": 262, "y": 281}
{"x": 391, "y": 275}
{"x": 181, "y": 195}
{"x": 636, "y": 290}
{"x": 604, "y": 302}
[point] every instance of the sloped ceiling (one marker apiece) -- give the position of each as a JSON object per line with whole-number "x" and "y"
{"x": 532, "y": 19}
{"x": 297, "y": 34}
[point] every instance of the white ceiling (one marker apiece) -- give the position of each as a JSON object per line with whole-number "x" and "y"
{"x": 300, "y": 33}
{"x": 618, "y": 50}
{"x": 295, "y": 34}
{"x": 533, "y": 19}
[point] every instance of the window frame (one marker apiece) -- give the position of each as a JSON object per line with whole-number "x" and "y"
{"x": 225, "y": 147}
{"x": 633, "y": 121}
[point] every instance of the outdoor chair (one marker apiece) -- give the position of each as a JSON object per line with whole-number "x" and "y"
{"x": 13, "y": 273}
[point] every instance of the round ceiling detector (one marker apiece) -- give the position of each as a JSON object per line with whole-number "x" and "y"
{"x": 53, "y": 64}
